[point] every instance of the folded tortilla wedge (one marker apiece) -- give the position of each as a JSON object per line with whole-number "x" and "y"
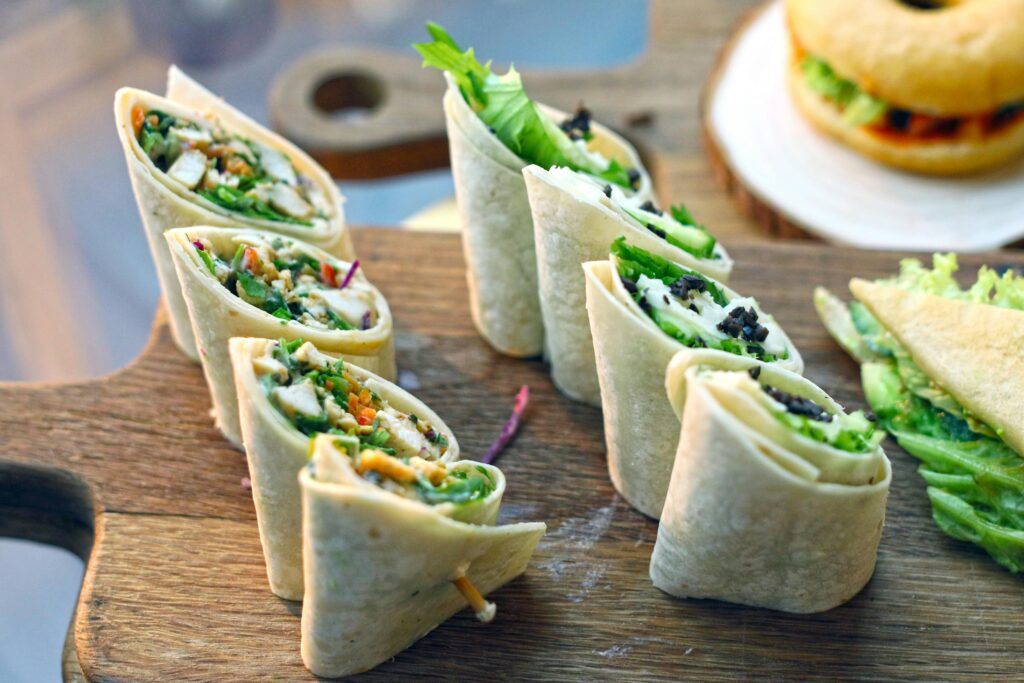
{"x": 632, "y": 351}
{"x": 169, "y": 159}
{"x": 289, "y": 393}
{"x": 777, "y": 497}
{"x": 245, "y": 283}
{"x": 390, "y": 554}
{"x": 942, "y": 366}
{"x": 575, "y": 218}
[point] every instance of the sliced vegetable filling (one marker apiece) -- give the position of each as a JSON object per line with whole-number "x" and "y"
{"x": 975, "y": 480}
{"x": 693, "y": 309}
{"x": 502, "y": 105}
{"x": 278, "y": 277}
{"x": 854, "y": 432}
{"x": 416, "y": 478}
{"x": 860, "y": 108}
{"x": 317, "y": 394}
{"x": 238, "y": 174}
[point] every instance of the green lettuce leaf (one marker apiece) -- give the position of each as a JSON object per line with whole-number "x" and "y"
{"x": 858, "y": 107}
{"x": 503, "y": 105}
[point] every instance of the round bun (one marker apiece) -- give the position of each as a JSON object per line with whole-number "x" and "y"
{"x": 942, "y": 157}
{"x": 964, "y": 58}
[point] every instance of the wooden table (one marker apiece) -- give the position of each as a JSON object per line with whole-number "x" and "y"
{"x": 131, "y": 467}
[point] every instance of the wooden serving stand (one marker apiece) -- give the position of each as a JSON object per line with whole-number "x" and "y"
{"x": 128, "y": 472}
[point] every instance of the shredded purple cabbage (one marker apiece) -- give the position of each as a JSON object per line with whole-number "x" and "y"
{"x": 510, "y": 428}
{"x": 365, "y": 322}
{"x": 349, "y": 274}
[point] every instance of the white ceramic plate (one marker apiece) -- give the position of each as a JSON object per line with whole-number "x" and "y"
{"x": 832, "y": 191}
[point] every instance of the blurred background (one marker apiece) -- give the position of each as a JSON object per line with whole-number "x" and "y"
{"x": 79, "y": 290}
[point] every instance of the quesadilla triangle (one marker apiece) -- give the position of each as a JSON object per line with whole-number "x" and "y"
{"x": 245, "y": 283}
{"x": 193, "y": 159}
{"x": 575, "y": 218}
{"x": 390, "y": 551}
{"x": 942, "y": 367}
{"x": 288, "y": 392}
{"x": 643, "y": 309}
{"x": 777, "y": 498}
{"x": 494, "y": 131}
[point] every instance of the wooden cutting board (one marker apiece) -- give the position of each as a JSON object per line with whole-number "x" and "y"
{"x": 128, "y": 472}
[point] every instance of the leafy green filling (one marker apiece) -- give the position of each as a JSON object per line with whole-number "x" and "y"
{"x": 459, "y": 489}
{"x": 855, "y": 432}
{"x": 858, "y": 107}
{"x": 975, "y": 481}
{"x": 503, "y": 105}
{"x": 680, "y": 230}
{"x": 632, "y": 262}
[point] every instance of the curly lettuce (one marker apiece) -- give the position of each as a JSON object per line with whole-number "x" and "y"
{"x": 858, "y": 107}
{"x": 503, "y": 105}
{"x": 975, "y": 480}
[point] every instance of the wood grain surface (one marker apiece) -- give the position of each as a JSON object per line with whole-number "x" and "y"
{"x": 129, "y": 472}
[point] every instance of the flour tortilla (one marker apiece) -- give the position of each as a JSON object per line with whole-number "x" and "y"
{"x": 165, "y": 203}
{"x": 276, "y": 451}
{"x": 378, "y": 568}
{"x": 641, "y": 430}
{"x": 747, "y": 520}
{"x": 501, "y": 266}
{"x": 973, "y": 351}
{"x": 217, "y": 315}
{"x": 570, "y": 229}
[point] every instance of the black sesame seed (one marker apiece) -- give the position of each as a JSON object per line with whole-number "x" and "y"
{"x": 628, "y": 284}
{"x": 754, "y": 372}
{"x": 649, "y": 207}
{"x": 634, "y": 177}
{"x": 694, "y": 308}
{"x": 870, "y": 416}
{"x": 607, "y": 191}
{"x": 656, "y": 230}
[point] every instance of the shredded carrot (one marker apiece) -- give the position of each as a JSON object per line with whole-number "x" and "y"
{"x": 353, "y": 403}
{"x": 250, "y": 259}
{"x": 364, "y": 397}
{"x": 328, "y": 385}
{"x": 138, "y": 117}
{"x": 330, "y": 277}
{"x": 484, "y": 610}
{"x": 153, "y": 120}
{"x": 366, "y": 416}
{"x": 378, "y": 461}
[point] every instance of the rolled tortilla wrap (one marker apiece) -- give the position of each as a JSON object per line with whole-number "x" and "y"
{"x": 276, "y": 430}
{"x": 631, "y": 351}
{"x": 497, "y": 227}
{"x": 165, "y": 202}
{"x": 218, "y": 313}
{"x": 381, "y": 569}
{"x": 791, "y": 523}
{"x": 574, "y": 221}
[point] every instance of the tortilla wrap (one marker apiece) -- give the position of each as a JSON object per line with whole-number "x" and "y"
{"x": 972, "y": 350}
{"x": 276, "y": 451}
{"x": 571, "y": 227}
{"x": 641, "y": 430}
{"x": 217, "y": 314}
{"x": 379, "y": 568}
{"x": 747, "y": 519}
{"x": 164, "y": 203}
{"x": 497, "y": 239}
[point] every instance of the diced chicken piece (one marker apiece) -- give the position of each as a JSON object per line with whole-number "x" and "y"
{"x": 285, "y": 199}
{"x": 405, "y": 438}
{"x": 189, "y": 168}
{"x": 277, "y": 165}
{"x": 307, "y": 353}
{"x": 298, "y": 398}
{"x": 197, "y": 137}
{"x": 268, "y": 365}
{"x": 335, "y": 413}
{"x": 349, "y": 304}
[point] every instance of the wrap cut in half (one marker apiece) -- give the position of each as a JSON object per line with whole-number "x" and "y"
{"x": 498, "y": 237}
{"x": 288, "y": 393}
{"x": 193, "y": 159}
{"x": 777, "y": 498}
{"x": 390, "y": 554}
{"x": 245, "y": 283}
{"x": 575, "y": 218}
{"x": 634, "y": 342}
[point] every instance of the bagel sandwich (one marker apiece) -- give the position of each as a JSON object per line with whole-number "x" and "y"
{"x": 922, "y": 85}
